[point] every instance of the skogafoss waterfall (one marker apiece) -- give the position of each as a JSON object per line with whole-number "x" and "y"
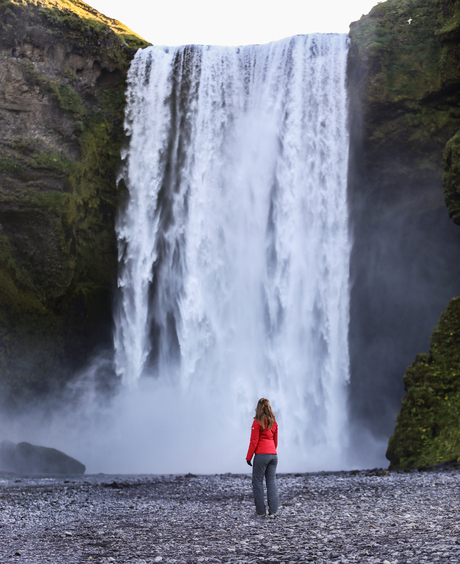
{"x": 234, "y": 249}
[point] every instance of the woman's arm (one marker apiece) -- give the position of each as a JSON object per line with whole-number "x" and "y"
{"x": 254, "y": 440}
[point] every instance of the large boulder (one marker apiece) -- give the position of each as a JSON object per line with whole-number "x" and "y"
{"x": 24, "y": 458}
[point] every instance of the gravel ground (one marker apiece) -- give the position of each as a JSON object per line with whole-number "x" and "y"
{"x": 356, "y": 517}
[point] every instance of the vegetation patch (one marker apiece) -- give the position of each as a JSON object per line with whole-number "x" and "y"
{"x": 8, "y": 164}
{"x": 50, "y": 160}
{"x": 451, "y": 178}
{"x": 399, "y": 43}
{"x": 428, "y": 425}
{"x": 68, "y": 99}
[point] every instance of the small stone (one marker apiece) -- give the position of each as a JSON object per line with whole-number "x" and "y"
{"x": 386, "y": 562}
{"x": 67, "y": 533}
{"x": 111, "y": 559}
{"x": 158, "y": 559}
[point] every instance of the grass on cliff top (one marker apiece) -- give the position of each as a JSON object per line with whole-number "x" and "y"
{"x": 428, "y": 424}
{"x": 67, "y": 10}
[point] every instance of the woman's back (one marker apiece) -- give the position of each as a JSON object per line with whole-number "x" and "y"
{"x": 263, "y": 441}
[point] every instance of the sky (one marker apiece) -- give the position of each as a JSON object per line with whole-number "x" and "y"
{"x": 240, "y": 22}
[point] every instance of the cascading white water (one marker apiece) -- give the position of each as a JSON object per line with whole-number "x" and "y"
{"x": 234, "y": 245}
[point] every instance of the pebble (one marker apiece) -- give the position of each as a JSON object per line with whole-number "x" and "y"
{"x": 341, "y": 518}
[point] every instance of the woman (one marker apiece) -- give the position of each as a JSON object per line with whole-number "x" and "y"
{"x": 263, "y": 442}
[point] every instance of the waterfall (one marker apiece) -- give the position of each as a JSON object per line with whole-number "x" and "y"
{"x": 234, "y": 245}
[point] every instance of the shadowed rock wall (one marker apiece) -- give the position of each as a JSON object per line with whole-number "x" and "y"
{"x": 404, "y": 88}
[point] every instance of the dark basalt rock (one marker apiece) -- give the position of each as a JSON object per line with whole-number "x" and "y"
{"x": 24, "y": 458}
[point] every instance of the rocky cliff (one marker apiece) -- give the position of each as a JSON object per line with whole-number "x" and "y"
{"x": 62, "y": 82}
{"x": 404, "y": 80}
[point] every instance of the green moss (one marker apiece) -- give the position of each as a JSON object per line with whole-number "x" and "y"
{"x": 451, "y": 28}
{"x": 52, "y": 161}
{"x": 71, "y": 76}
{"x": 51, "y": 202}
{"x": 91, "y": 204}
{"x": 403, "y": 57}
{"x": 25, "y": 145}
{"x": 112, "y": 100}
{"x": 68, "y": 99}
{"x": 133, "y": 41}
{"x": 17, "y": 286}
{"x": 72, "y": 21}
{"x": 8, "y": 164}
{"x": 451, "y": 178}
{"x": 428, "y": 425}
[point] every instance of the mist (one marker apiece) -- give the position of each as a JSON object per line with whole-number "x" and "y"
{"x": 154, "y": 428}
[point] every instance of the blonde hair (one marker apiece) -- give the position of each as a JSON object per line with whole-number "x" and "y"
{"x": 264, "y": 413}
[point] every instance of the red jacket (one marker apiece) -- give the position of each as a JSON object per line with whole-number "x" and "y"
{"x": 262, "y": 441}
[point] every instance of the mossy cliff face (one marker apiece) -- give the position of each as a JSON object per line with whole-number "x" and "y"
{"x": 62, "y": 81}
{"x": 428, "y": 425}
{"x": 451, "y": 178}
{"x": 404, "y": 95}
{"x": 404, "y": 82}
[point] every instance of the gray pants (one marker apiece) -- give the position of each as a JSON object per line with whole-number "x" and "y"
{"x": 264, "y": 466}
